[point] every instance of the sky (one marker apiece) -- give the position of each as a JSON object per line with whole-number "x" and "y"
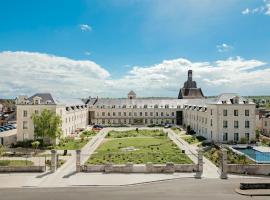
{"x": 81, "y": 48}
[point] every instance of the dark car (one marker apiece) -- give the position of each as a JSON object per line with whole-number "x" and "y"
{"x": 1, "y": 129}
{"x": 11, "y": 126}
{"x": 97, "y": 127}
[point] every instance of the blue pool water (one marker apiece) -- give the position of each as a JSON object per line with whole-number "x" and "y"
{"x": 259, "y": 157}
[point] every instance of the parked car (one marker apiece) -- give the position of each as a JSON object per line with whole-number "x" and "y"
{"x": 167, "y": 126}
{"x": 97, "y": 127}
{"x": 2, "y": 130}
{"x": 11, "y": 126}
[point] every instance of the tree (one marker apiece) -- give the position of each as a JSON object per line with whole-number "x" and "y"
{"x": 35, "y": 145}
{"x": 2, "y": 150}
{"x": 47, "y": 125}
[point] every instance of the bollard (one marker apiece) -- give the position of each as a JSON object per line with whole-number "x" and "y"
{"x": 53, "y": 160}
{"x": 200, "y": 160}
{"x": 78, "y": 160}
{"x": 224, "y": 169}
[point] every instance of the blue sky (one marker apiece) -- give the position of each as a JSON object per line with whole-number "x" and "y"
{"x": 120, "y": 36}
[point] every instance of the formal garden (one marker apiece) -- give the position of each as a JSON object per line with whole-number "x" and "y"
{"x": 213, "y": 153}
{"x": 138, "y": 147}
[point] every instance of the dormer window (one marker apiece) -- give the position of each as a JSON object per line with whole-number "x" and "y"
{"x": 48, "y": 102}
{"x": 36, "y": 100}
{"x": 235, "y": 100}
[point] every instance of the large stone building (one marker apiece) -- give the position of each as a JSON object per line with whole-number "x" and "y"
{"x": 73, "y": 113}
{"x": 225, "y": 118}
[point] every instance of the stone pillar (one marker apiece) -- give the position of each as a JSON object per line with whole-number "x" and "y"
{"x": 200, "y": 160}
{"x": 78, "y": 160}
{"x": 223, "y": 164}
{"x": 53, "y": 160}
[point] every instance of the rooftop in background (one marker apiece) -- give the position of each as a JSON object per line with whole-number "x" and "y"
{"x": 190, "y": 90}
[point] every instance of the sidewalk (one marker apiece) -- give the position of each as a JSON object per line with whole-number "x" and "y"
{"x": 209, "y": 169}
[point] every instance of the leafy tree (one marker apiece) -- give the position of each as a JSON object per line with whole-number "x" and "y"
{"x": 2, "y": 150}
{"x": 47, "y": 125}
{"x": 35, "y": 145}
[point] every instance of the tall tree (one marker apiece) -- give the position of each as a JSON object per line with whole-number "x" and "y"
{"x": 47, "y": 125}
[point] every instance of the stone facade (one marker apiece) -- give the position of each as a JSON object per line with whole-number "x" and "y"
{"x": 74, "y": 114}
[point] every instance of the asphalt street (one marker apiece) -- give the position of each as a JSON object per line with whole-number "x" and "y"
{"x": 184, "y": 188}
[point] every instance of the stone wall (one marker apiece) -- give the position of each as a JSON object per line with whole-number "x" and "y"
{"x": 252, "y": 169}
{"x": 141, "y": 168}
{"x": 8, "y": 169}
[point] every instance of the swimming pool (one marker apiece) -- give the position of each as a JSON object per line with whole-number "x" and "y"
{"x": 259, "y": 157}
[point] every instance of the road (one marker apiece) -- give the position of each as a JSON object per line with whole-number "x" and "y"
{"x": 185, "y": 188}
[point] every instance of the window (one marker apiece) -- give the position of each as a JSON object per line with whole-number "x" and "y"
{"x": 129, "y": 113}
{"x": 172, "y": 113}
{"x": 24, "y": 113}
{"x": 236, "y": 124}
{"x": 145, "y": 114}
{"x": 157, "y": 114}
{"x": 140, "y": 113}
{"x": 225, "y": 137}
{"x": 113, "y": 113}
{"x": 247, "y": 136}
{"x": 145, "y": 106}
{"x": 161, "y": 114}
{"x": 103, "y": 114}
{"x": 166, "y": 106}
{"x": 109, "y": 114}
{"x": 36, "y": 112}
{"x": 24, "y": 124}
{"x": 211, "y": 112}
{"x": 125, "y": 114}
{"x": 151, "y": 113}
{"x": 135, "y": 114}
{"x": 235, "y": 112}
{"x": 225, "y": 113}
{"x": 235, "y": 137}
{"x": 225, "y": 124}
{"x": 265, "y": 123}
{"x": 211, "y": 123}
{"x": 246, "y": 124}
{"x": 119, "y": 113}
{"x": 246, "y": 112}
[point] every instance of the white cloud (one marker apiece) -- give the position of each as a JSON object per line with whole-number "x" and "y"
{"x": 224, "y": 48}
{"x": 85, "y": 27}
{"x": 246, "y": 11}
{"x": 231, "y": 75}
{"x": 28, "y": 73}
{"x": 264, "y": 9}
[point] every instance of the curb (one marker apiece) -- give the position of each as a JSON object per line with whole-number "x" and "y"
{"x": 252, "y": 192}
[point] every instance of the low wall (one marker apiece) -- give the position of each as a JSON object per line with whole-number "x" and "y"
{"x": 251, "y": 169}
{"x": 7, "y": 169}
{"x": 147, "y": 168}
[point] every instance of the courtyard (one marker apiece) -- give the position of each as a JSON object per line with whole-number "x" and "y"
{"x": 138, "y": 147}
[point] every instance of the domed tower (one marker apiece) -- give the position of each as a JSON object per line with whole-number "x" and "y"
{"x": 190, "y": 90}
{"x": 131, "y": 95}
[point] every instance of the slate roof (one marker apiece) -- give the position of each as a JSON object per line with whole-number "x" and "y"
{"x": 45, "y": 97}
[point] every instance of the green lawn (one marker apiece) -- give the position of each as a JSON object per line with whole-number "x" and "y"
{"x": 214, "y": 154}
{"x": 16, "y": 163}
{"x": 88, "y": 133}
{"x": 134, "y": 133}
{"x": 145, "y": 146}
{"x": 192, "y": 139}
{"x": 177, "y": 131}
{"x": 71, "y": 144}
